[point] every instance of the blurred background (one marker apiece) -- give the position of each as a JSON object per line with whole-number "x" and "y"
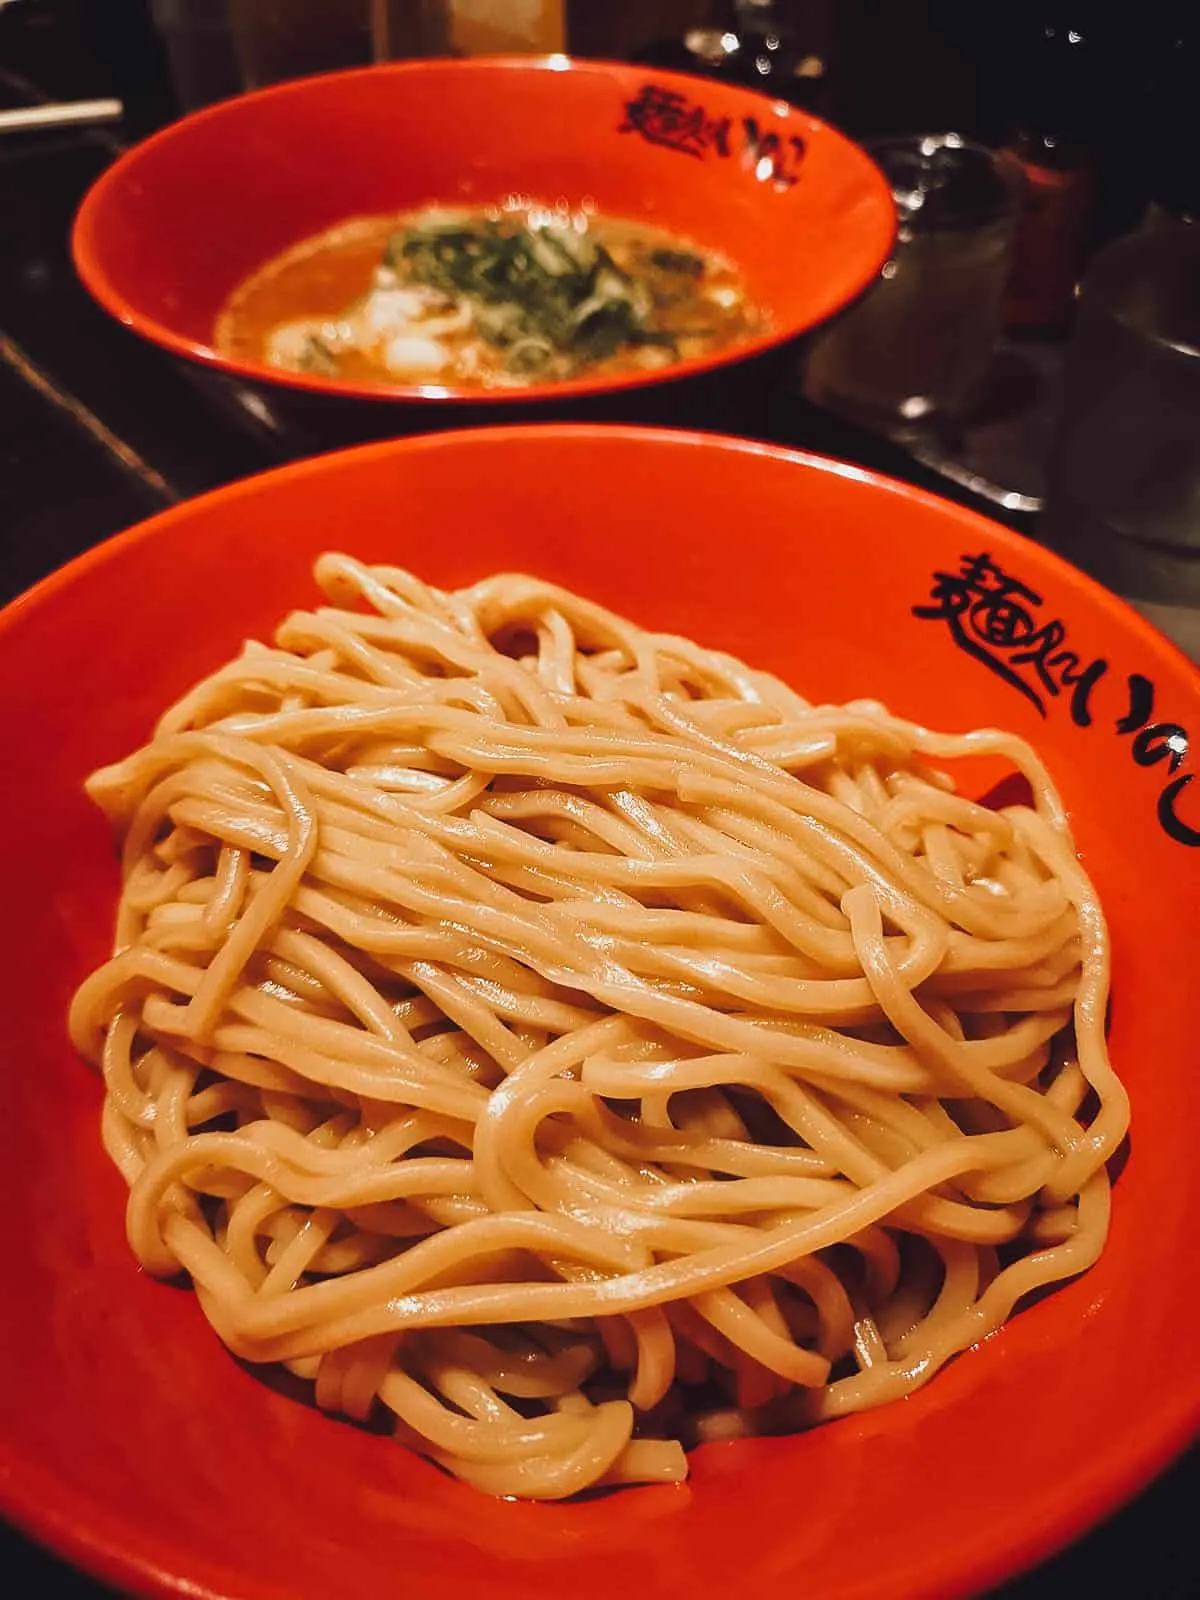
{"x": 1108, "y": 90}
{"x": 1099, "y": 105}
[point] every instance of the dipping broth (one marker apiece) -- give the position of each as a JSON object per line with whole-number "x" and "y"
{"x": 486, "y": 298}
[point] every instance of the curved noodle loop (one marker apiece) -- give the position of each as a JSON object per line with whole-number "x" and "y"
{"x": 567, "y": 1040}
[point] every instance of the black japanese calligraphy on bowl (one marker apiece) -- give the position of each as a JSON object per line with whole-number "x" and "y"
{"x": 992, "y": 617}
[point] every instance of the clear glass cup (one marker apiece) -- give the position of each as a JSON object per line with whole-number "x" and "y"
{"x": 199, "y": 48}
{"x": 288, "y": 38}
{"x": 1123, "y": 495}
{"x": 404, "y": 28}
{"x": 278, "y": 39}
{"x": 920, "y": 341}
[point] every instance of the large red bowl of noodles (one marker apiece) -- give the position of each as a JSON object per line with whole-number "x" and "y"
{"x": 132, "y": 1443}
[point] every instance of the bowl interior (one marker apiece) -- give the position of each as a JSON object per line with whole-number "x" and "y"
{"x": 131, "y": 1440}
{"x": 176, "y": 224}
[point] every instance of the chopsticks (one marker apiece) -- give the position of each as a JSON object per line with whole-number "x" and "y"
{"x": 61, "y": 114}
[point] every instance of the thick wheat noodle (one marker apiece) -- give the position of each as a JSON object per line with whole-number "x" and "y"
{"x": 566, "y": 1040}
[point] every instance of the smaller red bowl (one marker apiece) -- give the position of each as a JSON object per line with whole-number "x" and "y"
{"x": 174, "y": 225}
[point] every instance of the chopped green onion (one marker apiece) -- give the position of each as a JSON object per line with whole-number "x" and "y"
{"x": 318, "y": 358}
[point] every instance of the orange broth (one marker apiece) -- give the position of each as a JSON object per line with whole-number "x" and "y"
{"x": 326, "y": 284}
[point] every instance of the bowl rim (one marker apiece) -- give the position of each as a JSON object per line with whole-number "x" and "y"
{"x": 89, "y": 218}
{"x": 68, "y": 1522}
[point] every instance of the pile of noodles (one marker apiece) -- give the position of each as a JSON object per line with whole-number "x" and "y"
{"x": 571, "y": 1043}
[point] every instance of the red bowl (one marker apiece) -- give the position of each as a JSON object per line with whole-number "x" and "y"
{"x": 174, "y": 225}
{"x": 129, "y": 1439}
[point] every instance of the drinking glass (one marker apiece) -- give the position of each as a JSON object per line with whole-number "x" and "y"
{"x": 278, "y": 39}
{"x": 1123, "y": 496}
{"x": 921, "y": 339}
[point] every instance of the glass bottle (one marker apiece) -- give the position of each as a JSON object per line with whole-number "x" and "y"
{"x": 1050, "y": 151}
